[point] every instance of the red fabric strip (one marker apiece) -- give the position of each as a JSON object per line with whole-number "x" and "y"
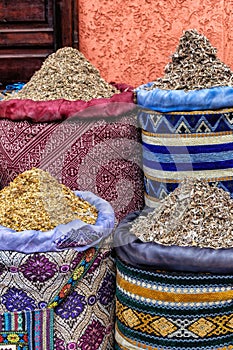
{"x": 57, "y": 110}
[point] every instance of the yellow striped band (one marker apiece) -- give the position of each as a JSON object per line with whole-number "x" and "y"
{"x": 173, "y": 297}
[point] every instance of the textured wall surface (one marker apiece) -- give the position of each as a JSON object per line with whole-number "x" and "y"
{"x": 131, "y": 41}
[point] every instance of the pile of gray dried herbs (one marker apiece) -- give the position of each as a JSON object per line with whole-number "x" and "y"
{"x": 194, "y": 65}
{"x": 65, "y": 74}
{"x": 194, "y": 214}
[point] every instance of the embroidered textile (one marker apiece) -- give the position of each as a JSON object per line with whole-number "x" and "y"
{"x": 32, "y": 284}
{"x": 27, "y": 329}
{"x": 101, "y": 156}
{"x": 181, "y": 144}
{"x": 169, "y": 310}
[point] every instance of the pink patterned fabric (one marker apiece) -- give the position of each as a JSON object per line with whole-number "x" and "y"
{"x": 57, "y": 110}
{"x": 102, "y": 156}
{"x": 92, "y": 146}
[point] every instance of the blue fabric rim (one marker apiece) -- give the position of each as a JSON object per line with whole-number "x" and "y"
{"x": 180, "y": 100}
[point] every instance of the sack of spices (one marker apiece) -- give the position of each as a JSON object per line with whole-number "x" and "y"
{"x": 175, "y": 272}
{"x": 57, "y": 271}
{"x": 186, "y": 118}
{"x": 35, "y": 202}
{"x": 69, "y": 121}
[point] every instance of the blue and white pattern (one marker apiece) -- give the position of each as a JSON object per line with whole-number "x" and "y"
{"x": 185, "y": 144}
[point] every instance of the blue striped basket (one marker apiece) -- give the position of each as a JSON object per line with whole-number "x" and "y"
{"x": 185, "y": 144}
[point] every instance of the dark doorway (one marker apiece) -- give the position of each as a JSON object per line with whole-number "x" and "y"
{"x": 30, "y": 30}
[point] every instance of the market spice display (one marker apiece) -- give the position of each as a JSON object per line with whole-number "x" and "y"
{"x": 65, "y": 74}
{"x": 194, "y": 66}
{"x": 35, "y": 200}
{"x": 194, "y": 214}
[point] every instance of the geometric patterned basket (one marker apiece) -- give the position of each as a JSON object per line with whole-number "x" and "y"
{"x": 40, "y": 311}
{"x": 181, "y": 144}
{"x": 163, "y": 310}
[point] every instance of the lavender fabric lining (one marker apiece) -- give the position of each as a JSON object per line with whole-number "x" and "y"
{"x": 32, "y": 241}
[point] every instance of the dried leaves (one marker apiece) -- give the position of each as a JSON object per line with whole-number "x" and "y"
{"x": 36, "y": 201}
{"x": 195, "y": 214}
{"x": 194, "y": 66}
{"x": 66, "y": 74}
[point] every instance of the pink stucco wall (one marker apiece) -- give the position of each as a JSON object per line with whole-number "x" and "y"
{"x": 131, "y": 41}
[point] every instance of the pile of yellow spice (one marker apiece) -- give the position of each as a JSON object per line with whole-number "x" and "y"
{"x": 35, "y": 200}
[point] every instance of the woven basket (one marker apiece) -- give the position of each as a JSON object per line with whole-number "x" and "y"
{"x": 170, "y": 297}
{"x": 195, "y": 144}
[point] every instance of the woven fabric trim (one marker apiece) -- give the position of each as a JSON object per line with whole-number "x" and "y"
{"x": 166, "y": 180}
{"x": 187, "y": 139}
{"x": 179, "y": 175}
{"x": 79, "y": 272}
{"x": 31, "y": 329}
{"x": 190, "y": 311}
{"x": 175, "y": 296}
{"x": 221, "y": 111}
{"x": 162, "y": 303}
{"x": 125, "y": 343}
